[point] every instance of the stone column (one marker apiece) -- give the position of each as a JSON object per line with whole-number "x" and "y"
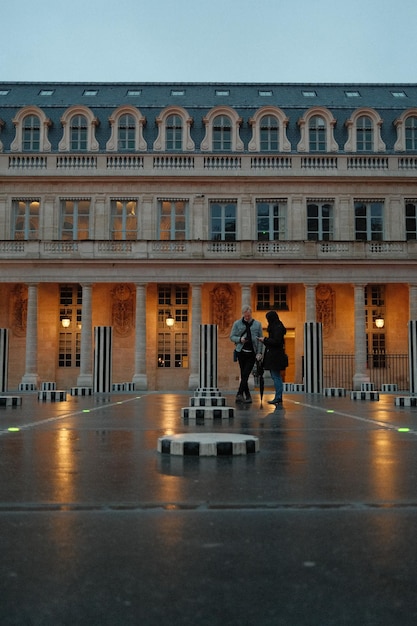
{"x": 4, "y": 358}
{"x": 31, "y": 366}
{"x": 85, "y": 378}
{"x": 310, "y": 291}
{"x": 140, "y": 377}
{"x": 412, "y": 302}
{"x": 193, "y": 380}
{"x": 246, "y": 295}
{"x": 360, "y": 376}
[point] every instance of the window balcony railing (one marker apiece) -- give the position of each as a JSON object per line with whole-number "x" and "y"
{"x": 200, "y": 164}
{"x": 342, "y": 251}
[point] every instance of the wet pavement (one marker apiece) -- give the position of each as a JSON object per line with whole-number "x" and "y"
{"x": 318, "y": 528}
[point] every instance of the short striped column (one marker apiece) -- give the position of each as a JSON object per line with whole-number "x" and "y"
{"x": 4, "y": 358}
{"x": 412, "y": 354}
{"x": 48, "y": 386}
{"x": 103, "y": 346}
{"x": 208, "y": 356}
{"x": 313, "y": 357}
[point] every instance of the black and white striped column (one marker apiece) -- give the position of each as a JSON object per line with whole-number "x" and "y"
{"x": 412, "y": 354}
{"x": 208, "y": 355}
{"x": 4, "y": 358}
{"x": 103, "y": 344}
{"x": 313, "y": 357}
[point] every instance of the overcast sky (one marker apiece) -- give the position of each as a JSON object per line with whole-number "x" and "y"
{"x": 208, "y": 40}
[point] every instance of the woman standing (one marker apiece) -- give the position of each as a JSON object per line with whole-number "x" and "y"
{"x": 275, "y": 359}
{"x": 245, "y": 334}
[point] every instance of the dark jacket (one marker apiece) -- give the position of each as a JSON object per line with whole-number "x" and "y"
{"x": 274, "y": 354}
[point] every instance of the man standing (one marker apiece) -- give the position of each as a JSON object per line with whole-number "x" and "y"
{"x": 244, "y": 334}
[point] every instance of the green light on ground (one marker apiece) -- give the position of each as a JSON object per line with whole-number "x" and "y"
{"x": 330, "y": 411}
{"x": 13, "y": 430}
{"x": 86, "y": 410}
{"x": 403, "y": 430}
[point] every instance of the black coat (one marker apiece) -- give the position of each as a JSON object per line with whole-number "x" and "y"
{"x": 274, "y": 355}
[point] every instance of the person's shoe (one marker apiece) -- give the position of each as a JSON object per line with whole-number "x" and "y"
{"x": 247, "y": 400}
{"x": 239, "y": 398}
{"x": 274, "y": 401}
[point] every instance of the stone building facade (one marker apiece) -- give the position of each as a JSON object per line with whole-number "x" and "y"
{"x": 127, "y": 205}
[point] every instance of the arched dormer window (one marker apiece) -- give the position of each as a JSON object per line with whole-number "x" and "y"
{"x": 31, "y": 126}
{"x": 174, "y": 125}
{"x": 126, "y": 124}
{"x": 316, "y": 129}
{"x": 406, "y": 126}
{"x": 269, "y": 125}
{"x": 222, "y": 131}
{"x": 364, "y": 131}
{"x": 79, "y": 126}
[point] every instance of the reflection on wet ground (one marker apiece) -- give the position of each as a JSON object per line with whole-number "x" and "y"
{"x": 97, "y": 527}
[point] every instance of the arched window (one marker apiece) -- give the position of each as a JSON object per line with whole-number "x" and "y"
{"x": 222, "y": 130}
{"x": 269, "y": 134}
{"x": 364, "y": 131}
{"x": 31, "y": 134}
{"x": 364, "y": 134}
{"x": 411, "y": 133}
{"x": 31, "y": 131}
{"x": 126, "y": 133}
{"x": 79, "y": 130}
{"x": 173, "y": 132}
{"x": 317, "y": 134}
{"x": 78, "y": 133}
{"x": 316, "y": 129}
{"x": 222, "y": 134}
{"x": 126, "y": 124}
{"x": 269, "y": 126}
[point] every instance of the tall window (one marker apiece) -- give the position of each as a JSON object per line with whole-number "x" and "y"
{"x": 411, "y": 220}
{"x": 25, "y": 219}
{"x": 411, "y": 133}
{"x": 126, "y": 133}
{"x": 70, "y": 310}
{"x": 369, "y": 220}
{"x": 319, "y": 221}
{"x": 78, "y": 133}
{"x": 364, "y": 134}
{"x": 269, "y": 136}
{"x": 222, "y": 133}
{"x": 75, "y": 219}
{"x": 271, "y": 297}
{"x": 172, "y": 220}
{"x": 223, "y": 221}
{"x": 375, "y": 337}
{"x": 31, "y": 133}
{"x": 317, "y": 134}
{"x": 173, "y": 132}
{"x": 271, "y": 218}
{"x": 124, "y": 219}
{"x": 173, "y": 341}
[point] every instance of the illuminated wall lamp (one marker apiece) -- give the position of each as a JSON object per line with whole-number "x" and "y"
{"x": 170, "y": 321}
{"x": 379, "y": 321}
{"x": 65, "y": 322}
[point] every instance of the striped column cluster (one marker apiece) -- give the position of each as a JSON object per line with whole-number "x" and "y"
{"x": 48, "y": 386}
{"x": 208, "y": 402}
{"x": 103, "y": 346}
{"x": 313, "y": 357}
{"x": 208, "y": 356}
{"x": 412, "y": 354}
{"x": 10, "y": 400}
{"x": 4, "y": 358}
{"x": 335, "y": 392}
{"x": 208, "y": 444}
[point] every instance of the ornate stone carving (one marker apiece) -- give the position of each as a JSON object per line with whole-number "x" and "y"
{"x": 18, "y": 310}
{"x": 325, "y": 308}
{"x": 122, "y": 310}
{"x": 222, "y": 298}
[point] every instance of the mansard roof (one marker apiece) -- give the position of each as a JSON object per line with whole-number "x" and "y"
{"x": 207, "y": 95}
